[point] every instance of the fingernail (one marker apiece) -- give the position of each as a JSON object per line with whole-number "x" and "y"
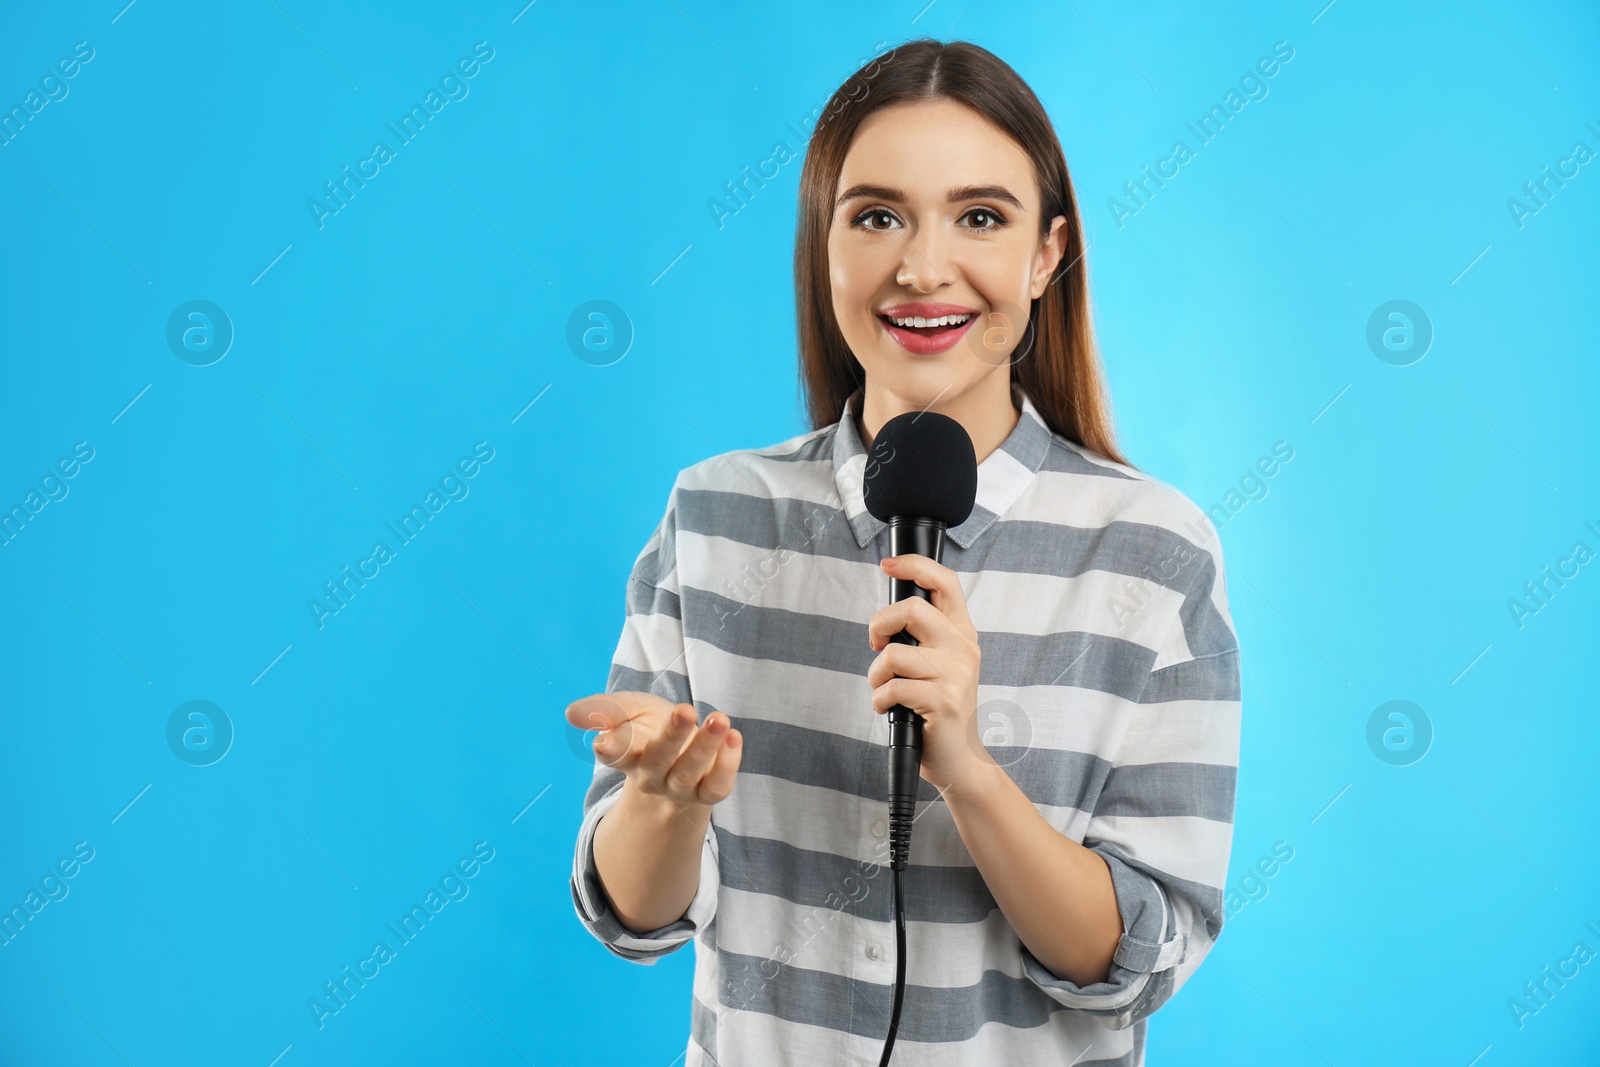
{"x": 734, "y": 740}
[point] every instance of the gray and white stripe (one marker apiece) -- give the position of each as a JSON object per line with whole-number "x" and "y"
{"x": 1109, "y": 690}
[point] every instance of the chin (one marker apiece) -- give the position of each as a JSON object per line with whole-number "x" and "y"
{"x": 927, "y": 382}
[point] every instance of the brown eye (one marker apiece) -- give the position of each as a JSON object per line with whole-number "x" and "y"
{"x": 992, "y": 219}
{"x": 873, "y": 213}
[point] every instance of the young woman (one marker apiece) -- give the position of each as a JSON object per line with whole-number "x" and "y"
{"x": 1076, "y": 667}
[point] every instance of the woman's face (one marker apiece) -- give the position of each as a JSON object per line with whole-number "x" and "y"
{"x": 937, "y": 215}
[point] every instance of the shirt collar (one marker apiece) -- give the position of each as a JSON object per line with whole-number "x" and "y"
{"x": 1002, "y": 476}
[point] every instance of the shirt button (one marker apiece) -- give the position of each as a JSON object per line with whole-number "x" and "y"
{"x": 873, "y": 952}
{"x": 879, "y": 828}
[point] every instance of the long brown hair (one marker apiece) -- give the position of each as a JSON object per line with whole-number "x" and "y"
{"x": 1059, "y": 365}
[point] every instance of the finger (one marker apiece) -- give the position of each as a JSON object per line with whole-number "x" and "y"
{"x": 915, "y": 693}
{"x": 717, "y": 783}
{"x": 614, "y": 715}
{"x": 902, "y": 661}
{"x": 933, "y": 576}
{"x": 922, "y": 620}
{"x": 697, "y": 757}
{"x": 620, "y": 746}
{"x": 657, "y": 753}
{"x": 606, "y": 711}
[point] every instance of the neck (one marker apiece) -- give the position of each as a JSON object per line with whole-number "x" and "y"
{"x": 985, "y": 411}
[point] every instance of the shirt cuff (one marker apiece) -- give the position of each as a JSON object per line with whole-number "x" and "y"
{"x": 1143, "y": 966}
{"x": 594, "y": 910}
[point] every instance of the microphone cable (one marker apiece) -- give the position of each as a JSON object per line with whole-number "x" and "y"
{"x": 899, "y": 969}
{"x": 904, "y": 775}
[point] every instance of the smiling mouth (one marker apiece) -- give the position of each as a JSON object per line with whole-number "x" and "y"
{"x": 926, "y": 327}
{"x": 935, "y": 335}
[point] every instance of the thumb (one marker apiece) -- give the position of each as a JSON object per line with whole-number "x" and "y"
{"x": 601, "y": 711}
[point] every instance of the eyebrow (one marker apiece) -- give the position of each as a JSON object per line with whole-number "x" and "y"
{"x": 963, "y": 192}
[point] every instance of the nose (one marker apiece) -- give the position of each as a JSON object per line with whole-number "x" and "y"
{"x": 926, "y": 264}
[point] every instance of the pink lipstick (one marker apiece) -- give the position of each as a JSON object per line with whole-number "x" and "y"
{"x": 942, "y": 326}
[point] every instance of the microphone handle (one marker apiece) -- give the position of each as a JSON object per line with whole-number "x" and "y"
{"x": 923, "y": 537}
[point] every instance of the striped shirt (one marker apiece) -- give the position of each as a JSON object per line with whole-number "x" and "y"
{"x": 1108, "y": 689}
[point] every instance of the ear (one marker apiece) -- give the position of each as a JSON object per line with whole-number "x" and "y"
{"x": 1051, "y": 249}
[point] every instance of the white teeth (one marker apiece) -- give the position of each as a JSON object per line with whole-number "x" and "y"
{"x": 918, "y": 320}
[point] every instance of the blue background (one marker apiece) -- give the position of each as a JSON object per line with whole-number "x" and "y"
{"x": 431, "y": 313}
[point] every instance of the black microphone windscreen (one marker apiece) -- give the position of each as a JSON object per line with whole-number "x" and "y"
{"x": 922, "y": 464}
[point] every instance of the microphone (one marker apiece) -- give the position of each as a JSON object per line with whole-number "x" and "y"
{"x": 921, "y": 478}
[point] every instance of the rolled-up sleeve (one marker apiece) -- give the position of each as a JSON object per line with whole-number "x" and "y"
{"x": 650, "y": 657}
{"x": 1163, "y": 822}
{"x": 594, "y": 910}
